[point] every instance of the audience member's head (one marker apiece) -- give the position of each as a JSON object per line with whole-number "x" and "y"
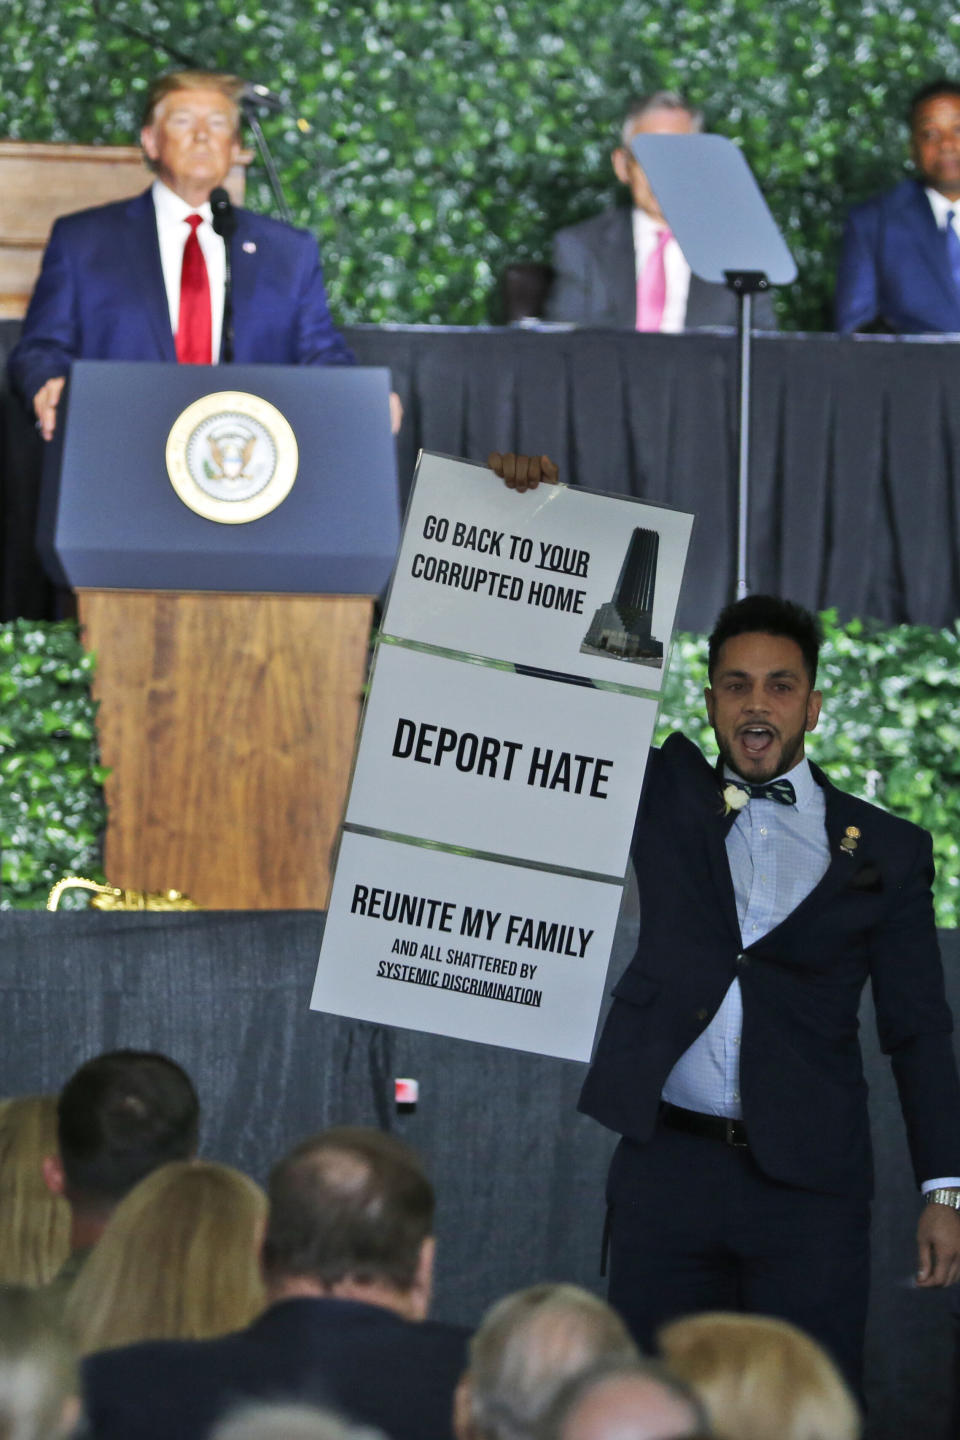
{"x": 119, "y": 1116}
{"x": 526, "y": 1348}
{"x": 662, "y": 113}
{"x": 759, "y": 1377}
{"x": 351, "y": 1215}
{"x": 289, "y": 1421}
{"x": 34, "y": 1223}
{"x": 39, "y": 1385}
{"x": 639, "y": 1401}
{"x": 178, "y": 1259}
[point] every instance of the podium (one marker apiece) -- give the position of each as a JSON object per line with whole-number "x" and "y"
{"x": 231, "y": 652}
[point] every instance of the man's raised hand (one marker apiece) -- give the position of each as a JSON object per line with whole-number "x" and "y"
{"x": 523, "y": 472}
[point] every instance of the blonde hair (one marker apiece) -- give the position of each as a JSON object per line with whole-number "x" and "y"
{"x": 759, "y": 1377}
{"x": 230, "y": 86}
{"x": 34, "y": 1224}
{"x": 177, "y": 1260}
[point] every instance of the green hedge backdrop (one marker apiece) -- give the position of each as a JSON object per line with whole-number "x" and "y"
{"x": 890, "y": 732}
{"x": 449, "y": 138}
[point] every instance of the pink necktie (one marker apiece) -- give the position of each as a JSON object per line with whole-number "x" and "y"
{"x": 652, "y": 286}
{"x": 194, "y": 330}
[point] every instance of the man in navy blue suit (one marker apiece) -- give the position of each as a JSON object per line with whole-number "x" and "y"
{"x": 730, "y": 1062}
{"x": 110, "y": 286}
{"x": 900, "y": 265}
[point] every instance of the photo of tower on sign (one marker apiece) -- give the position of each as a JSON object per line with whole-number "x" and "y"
{"x": 621, "y": 628}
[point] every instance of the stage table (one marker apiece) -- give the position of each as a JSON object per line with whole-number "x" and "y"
{"x": 856, "y": 487}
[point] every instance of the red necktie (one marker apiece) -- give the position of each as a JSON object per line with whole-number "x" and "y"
{"x": 652, "y": 286}
{"x": 194, "y": 328}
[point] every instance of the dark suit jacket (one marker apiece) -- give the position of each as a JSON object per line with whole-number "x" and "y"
{"x": 100, "y": 296}
{"x": 596, "y": 281}
{"x": 894, "y": 270}
{"x": 363, "y": 1360}
{"x": 801, "y": 1080}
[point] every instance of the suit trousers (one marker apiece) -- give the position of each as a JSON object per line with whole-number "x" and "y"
{"x": 695, "y": 1225}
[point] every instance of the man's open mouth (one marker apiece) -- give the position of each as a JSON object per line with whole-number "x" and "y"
{"x": 756, "y": 739}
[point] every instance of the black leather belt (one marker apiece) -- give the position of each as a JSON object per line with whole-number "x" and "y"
{"x": 711, "y": 1127}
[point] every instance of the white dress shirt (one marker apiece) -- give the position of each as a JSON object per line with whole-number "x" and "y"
{"x": 941, "y": 207}
{"x": 777, "y": 855}
{"x": 646, "y": 232}
{"x": 172, "y": 233}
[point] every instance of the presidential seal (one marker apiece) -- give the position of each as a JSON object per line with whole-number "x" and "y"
{"x": 232, "y": 457}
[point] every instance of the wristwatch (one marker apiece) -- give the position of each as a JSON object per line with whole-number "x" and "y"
{"x": 943, "y": 1197}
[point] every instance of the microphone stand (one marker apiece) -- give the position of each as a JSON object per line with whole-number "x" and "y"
{"x": 249, "y": 110}
{"x": 744, "y": 284}
{"x": 225, "y": 224}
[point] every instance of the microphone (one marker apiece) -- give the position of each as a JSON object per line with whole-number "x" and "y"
{"x": 260, "y": 96}
{"x": 224, "y": 220}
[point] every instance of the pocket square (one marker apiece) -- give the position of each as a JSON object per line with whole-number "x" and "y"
{"x": 867, "y": 878}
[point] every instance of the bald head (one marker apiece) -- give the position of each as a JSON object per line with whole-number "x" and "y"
{"x": 642, "y": 1402}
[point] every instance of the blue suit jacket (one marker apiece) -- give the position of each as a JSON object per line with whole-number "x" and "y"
{"x": 801, "y": 1078}
{"x": 894, "y": 269}
{"x": 100, "y": 296}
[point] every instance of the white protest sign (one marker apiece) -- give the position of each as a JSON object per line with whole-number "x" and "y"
{"x": 499, "y": 762}
{"x": 557, "y": 577}
{"x": 511, "y": 707}
{"x": 458, "y": 946}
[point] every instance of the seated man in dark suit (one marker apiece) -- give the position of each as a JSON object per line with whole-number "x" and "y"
{"x": 900, "y": 264}
{"x": 144, "y": 279}
{"x": 623, "y": 269}
{"x": 348, "y": 1265}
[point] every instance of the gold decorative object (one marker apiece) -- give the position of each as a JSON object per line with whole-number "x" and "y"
{"x": 108, "y": 897}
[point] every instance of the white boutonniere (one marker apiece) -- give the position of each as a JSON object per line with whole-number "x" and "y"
{"x": 734, "y": 798}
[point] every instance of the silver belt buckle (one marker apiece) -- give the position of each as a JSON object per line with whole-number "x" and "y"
{"x": 731, "y": 1138}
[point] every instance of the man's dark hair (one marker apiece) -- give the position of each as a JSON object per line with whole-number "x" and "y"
{"x": 119, "y": 1117}
{"x": 768, "y": 615}
{"x": 349, "y": 1203}
{"x": 931, "y": 91}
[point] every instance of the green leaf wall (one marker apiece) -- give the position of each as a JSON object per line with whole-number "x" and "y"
{"x": 52, "y": 812}
{"x": 450, "y": 138}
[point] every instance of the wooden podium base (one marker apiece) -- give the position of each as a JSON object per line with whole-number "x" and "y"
{"x": 228, "y": 722}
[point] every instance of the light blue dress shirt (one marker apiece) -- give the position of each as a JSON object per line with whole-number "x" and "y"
{"x": 777, "y": 855}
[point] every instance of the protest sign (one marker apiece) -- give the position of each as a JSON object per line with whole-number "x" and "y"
{"x": 512, "y": 703}
{"x": 557, "y": 577}
{"x": 465, "y": 947}
{"x": 500, "y": 763}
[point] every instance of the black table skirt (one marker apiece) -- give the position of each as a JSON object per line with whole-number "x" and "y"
{"x": 856, "y": 447}
{"x": 519, "y": 1174}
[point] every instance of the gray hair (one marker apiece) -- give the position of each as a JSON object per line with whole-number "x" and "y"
{"x": 528, "y": 1346}
{"x": 282, "y": 1421}
{"x": 579, "y": 1387}
{"x": 642, "y": 105}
